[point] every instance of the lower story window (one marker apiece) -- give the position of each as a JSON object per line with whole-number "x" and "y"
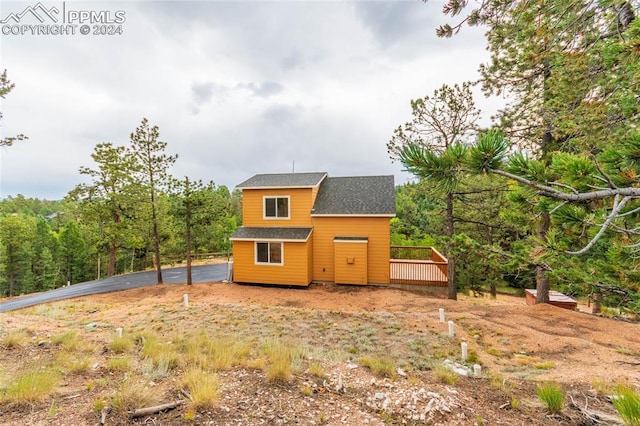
{"x": 269, "y": 253}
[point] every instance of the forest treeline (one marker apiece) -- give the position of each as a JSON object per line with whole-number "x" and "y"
{"x": 131, "y": 214}
{"x": 45, "y": 244}
{"x": 55, "y": 242}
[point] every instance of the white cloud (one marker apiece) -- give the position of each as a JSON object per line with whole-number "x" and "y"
{"x": 236, "y": 88}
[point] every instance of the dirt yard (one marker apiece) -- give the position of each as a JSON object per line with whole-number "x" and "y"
{"x": 337, "y": 329}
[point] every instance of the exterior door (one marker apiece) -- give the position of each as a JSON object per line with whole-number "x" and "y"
{"x": 350, "y": 260}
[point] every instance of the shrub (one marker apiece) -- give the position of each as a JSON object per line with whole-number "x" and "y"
{"x": 72, "y": 363}
{"x": 131, "y": 395}
{"x": 627, "y": 403}
{"x": 118, "y": 363}
{"x": 203, "y": 387}
{"x": 70, "y": 342}
{"x": 544, "y": 365}
{"x": 381, "y": 366}
{"x": 224, "y": 353}
{"x": 552, "y": 396}
{"x": 445, "y": 375}
{"x": 31, "y": 386}
{"x": 315, "y": 369}
{"x": 281, "y": 356}
{"x": 14, "y": 339}
{"x": 120, "y": 345}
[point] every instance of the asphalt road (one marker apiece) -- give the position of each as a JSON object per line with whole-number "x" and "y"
{"x": 199, "y": 274}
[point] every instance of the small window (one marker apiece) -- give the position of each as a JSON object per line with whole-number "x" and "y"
{"x": 276, "y": 207}
{"x": 269, "y": 253}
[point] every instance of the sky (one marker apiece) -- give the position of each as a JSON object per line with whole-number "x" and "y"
{"x": 236, "y": 88}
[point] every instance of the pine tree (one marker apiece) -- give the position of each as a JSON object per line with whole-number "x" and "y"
{"x": 430, "y": 147}
{"x": 109, "y": 201}
{"x": 152, "y": 167}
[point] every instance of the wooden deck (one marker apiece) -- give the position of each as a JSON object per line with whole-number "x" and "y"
{"x": 420, "y": 266}
{"x": 555, "y": 298}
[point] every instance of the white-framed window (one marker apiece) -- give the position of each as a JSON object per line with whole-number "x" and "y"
{"x": 276, "y": 207}
{"x": 270, "y": 253}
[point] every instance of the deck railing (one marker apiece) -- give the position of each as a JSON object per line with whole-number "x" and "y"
{"x": 421, "y": 266}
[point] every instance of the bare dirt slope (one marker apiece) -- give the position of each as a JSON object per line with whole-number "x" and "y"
{"x": 518, "y": 347}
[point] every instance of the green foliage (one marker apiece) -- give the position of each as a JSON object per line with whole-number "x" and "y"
{"x": 488, "y": 153}
{"x": 73, "y": 253}
{"x": 30, "y": 386}
{"x": 572, "y": 115}
{"x": 203, "y": 387}
{"x": 150, "y": 167}
{"x": 131, "y": 395}
{"x": 627, "y": 403}
{"x": 439, "y": 121}
{"x": 7, "y": 86}
{"x": 16, "y": 234}
{"x": 445, "y": 375}
{"x": 552, "y": 396}
{"x": 381, "y": 366}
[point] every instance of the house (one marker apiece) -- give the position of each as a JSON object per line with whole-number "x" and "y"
{"x": 304, "y": 227}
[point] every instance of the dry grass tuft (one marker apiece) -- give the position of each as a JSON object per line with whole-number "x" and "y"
{"x": 381, "y": 366}
{"x": 30, "y": 386}
{"x": 281, "y": 357}
{"x": 132, "y": 394}
{"x": 14, "y": 339}
{"x": 203, "y": 387}
{"x": 445, "y": 375}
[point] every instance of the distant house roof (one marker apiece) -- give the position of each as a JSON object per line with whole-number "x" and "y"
{"x": 359, "y": 195}
{"x": 283, "y": 180}
{"x": 249, "y": 233}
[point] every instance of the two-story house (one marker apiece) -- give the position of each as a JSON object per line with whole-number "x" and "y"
{"x": 304, "y": 227}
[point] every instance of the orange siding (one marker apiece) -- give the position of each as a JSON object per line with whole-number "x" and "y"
{"x": 377, "y": 229}
{"x": 294, "y": 271}
{"x": 350, "y": 262}
{"x": 310, "y": 259}
{"x": 300, "y": 204}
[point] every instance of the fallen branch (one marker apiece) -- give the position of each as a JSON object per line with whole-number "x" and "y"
{"x": 72, "y": 396}
{"x": 628, "y": 363}
{"x": 592, "y": 417}
{"x": 103, "y": 415}
{"x": 141, "y": 412}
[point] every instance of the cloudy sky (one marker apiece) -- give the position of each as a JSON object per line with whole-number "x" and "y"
{"x": 236, "y": 88}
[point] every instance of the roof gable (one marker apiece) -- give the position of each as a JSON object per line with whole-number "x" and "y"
{"x": 359, "y": 195}
{"x": 283, "y": 180}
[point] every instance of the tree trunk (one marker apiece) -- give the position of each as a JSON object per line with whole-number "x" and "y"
{"x": 493, "y": 287}
{"x": 156, "y": 236}
{"x": 113, "y": 251}
{"x": 12, "y": 281}
{"x": 597, "y": 302}
{"x": 452, "y": 290}
{"x": 111, "y": 268}
{"x": 156, "y": 247}
{"x": 187, "y": 220}
{"x": 542, "y": 281}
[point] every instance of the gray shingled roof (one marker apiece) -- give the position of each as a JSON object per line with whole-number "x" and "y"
{"x": 359, "y": 195}
{"x": 275, "y": 233}
{"x": 284, "y": 180}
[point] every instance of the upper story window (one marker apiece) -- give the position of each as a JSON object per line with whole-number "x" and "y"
{"x": 276, "y": 207}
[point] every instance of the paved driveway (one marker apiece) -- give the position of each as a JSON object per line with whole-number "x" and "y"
{"x": 199, "y": 274}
